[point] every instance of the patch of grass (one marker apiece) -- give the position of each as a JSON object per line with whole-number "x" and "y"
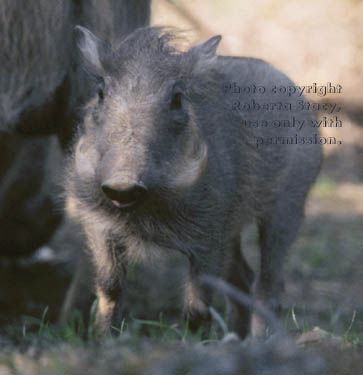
{"x": 147, "y": 346}
{"x": 324, "y": 187}
{"x": 296, "y": 322}
{"x": 354, "y": 333}
{"x": 39, "y": 330}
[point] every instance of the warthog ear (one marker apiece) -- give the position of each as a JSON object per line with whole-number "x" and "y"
{"x": 207, "y": 50}
{"x": 91, "y": 48}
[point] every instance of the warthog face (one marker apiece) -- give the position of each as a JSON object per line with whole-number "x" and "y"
{"x": 140, "y": 140}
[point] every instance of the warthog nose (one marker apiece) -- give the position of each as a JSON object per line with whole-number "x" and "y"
{"x": 124, "y": 194}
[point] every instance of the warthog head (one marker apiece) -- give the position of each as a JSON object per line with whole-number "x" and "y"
{"x": 140, "y": 140}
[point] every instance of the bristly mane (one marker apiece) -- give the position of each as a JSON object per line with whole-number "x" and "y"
{"x": 165, "y": 51}
{"x": 158, "y": 39}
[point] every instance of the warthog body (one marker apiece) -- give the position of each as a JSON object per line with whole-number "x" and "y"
{"x": 41, "y": 88}
{"x": 28, "y": 216}
{"x": 163, "y": 162}
{"x": 40, "y": 84}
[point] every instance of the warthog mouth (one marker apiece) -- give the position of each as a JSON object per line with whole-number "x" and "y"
{"x": 123, "y": 205}
{"x": 123, "y": 193}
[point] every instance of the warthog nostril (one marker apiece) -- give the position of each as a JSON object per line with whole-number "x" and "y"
{"x": 124, "y": 193}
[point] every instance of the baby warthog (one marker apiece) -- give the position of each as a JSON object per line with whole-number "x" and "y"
{"x": 165, "y": 161}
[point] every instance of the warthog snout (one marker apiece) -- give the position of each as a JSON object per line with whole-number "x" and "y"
{"x": 124, "y": 193}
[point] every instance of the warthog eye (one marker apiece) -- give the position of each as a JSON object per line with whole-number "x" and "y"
{"x": 179, "y": 114}
{"x": 102, "y": 85}
{"x": 101, "y": 94}
{"x": 176, "y": 101}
